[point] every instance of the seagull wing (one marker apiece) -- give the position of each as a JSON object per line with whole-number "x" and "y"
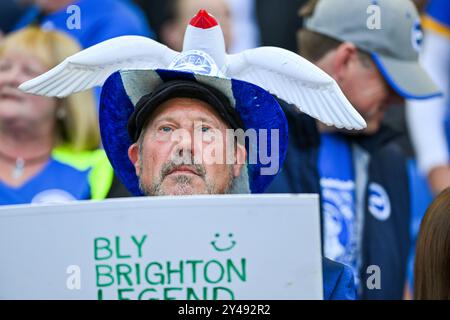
{"x": 92, "y": 66}
{"x": 297, "y": 81}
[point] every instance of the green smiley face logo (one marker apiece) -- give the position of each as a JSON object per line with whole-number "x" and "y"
{"x": 223, "y": 248}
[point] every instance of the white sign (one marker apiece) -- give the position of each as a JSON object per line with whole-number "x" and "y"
{"x": 188, "y": 248}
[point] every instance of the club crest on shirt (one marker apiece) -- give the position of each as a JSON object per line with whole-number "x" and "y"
{"x": 52, "y": 196}
{"x": 379, "y": 203}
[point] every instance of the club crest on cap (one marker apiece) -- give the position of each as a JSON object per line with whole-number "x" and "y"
{"x": 195, "y": 61}
{"x": 417, "y": 35}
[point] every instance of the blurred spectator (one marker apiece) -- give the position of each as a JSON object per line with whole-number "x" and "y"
{"x": 395, "y": 118}
{"x": 157, "y": 13}
{"x": 362, "y": 176}
{"x": 432, "y": 265}
{"x": 180, "y": 12}
{"x": 167, "y": 17}
{"x": 10, "y": 13}
{"x": 88, "y": 21}
{"x": 429, "y": 121}
{"x": 48, "y": 146}
{"x": 278, "y": 22}
{"x": 244, "y": 24}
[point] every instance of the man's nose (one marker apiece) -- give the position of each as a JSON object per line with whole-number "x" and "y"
{"x": 184, "y": 147}
{"x": 189, "y": 145}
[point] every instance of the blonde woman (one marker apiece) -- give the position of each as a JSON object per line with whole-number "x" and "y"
{"x": 48, "y": 147}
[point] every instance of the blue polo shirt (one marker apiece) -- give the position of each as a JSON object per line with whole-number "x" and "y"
{"x": 67, "y": 176}
{"x": 100, "y": 20}
{"x": 56, "y": 183}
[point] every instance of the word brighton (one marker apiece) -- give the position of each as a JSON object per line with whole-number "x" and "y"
{"x": 187, "y": 279}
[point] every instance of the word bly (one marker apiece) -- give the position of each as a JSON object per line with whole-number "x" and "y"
{"x": 119, "y": 248}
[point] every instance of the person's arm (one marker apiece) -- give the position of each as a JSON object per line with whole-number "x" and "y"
{"x": 426, "y": 117}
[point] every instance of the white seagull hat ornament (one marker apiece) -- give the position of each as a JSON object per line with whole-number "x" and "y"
{"x": 284, "y": 74}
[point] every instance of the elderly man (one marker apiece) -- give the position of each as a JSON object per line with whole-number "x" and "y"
{"x": 194, "y": 122}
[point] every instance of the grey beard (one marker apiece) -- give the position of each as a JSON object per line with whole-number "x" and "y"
{"x": 184, "y": 184}
{"x": 184, "y": 187}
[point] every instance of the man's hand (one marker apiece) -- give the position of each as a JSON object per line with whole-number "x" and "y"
{"x": 439, "y": 178}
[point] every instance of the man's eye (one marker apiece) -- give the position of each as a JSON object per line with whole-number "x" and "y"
{"x": 165, "y": 129}
{"x": 205, "y": 129}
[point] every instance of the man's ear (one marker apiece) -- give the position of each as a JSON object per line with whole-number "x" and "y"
{"x": 240, "y": 157}
{"x": 133, "y": 155}
{"x": 343, "y": 58}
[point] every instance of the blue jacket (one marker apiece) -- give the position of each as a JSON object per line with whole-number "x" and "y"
{"x": 338, "y": 283}
{"x": 385, "y": 242}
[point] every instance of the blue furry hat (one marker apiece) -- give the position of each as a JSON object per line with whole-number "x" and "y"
{"x": 256, "y": 107}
